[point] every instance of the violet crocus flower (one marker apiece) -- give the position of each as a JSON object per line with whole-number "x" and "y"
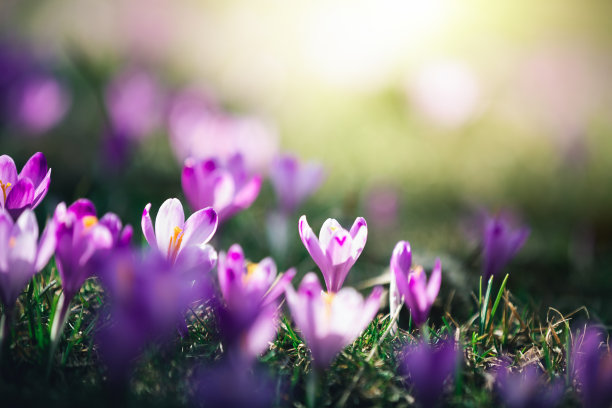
{"x": 226, "y": 188}
{"x": 250, "y": 292}
{"x": 42, "y": 103}
{"x": 330, "y": 321}
{"x": 592, "y": 368}
{"x": 294, "y": 181}
{"x": 181, "y": 242}
{"x": 26, "y": 189}
{"x": 21, "y": 254}
{"x": 527, "y": 389}
{"x": 336, "y": 249}
{"x": 147, "y": 301}
{"x": 412, "y": 283}
{"x": 501, "y": 242}
{"x": 427, "y": 367}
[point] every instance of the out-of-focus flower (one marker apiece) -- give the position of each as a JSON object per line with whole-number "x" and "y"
{"x": 447, "y": 92}
{"x": 501, "y": 241}
{"x": 248, "y": 318}
{"x": 427, "y": 367}
{"x": 226, "y": 188}
{"x": 181, "y": 242}
{"x": 26, "y": 189}
{"x": 233, "y": 383}
{"x": 199, "y": 129}
{"x": 527, "y": 388}
{"x": 592, "y": 368}
{"x": 42, "y": 103}
{"x": 412, "y": 283}
{"x": 80, "y": 237}
{"x": 330, "y": 321}
{"x": 21, "y": 255}
{"x": 294, "y": 181}
{"x": 382, "y": 206}
{"x": 134, "y": 102}
{"x": 147, "y": 301}
{"x": 336, "y": 249}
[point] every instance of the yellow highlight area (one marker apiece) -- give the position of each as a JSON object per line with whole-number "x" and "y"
{"x": 89, "y": 221}
{"x": 175, "y": 243}
{"x": 251, "y": 268}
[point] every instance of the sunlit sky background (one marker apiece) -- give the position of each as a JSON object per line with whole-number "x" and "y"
{"x": 474, "y": 96}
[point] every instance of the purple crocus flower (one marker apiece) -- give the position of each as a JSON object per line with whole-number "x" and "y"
{"x": 80, "y": 237}
{"x": 592, "y": 368}
{"x": 500, "y": 243}
{"x": 21, "y": 254}
{"x": 427, "y": 367}
{"x": 527, "y": 389}
{"x": 26, "y": 189}
{"x": 147, "y": 301}
{"x": 250, "y": 292}
{"x": 42, "y": 103}
{"x": 181, "y": 242}
{"x": 412, "y": 283}
{"x": 336, "y": 249}
{"x": 294, "y": 181}
{"x": 226, "y": 188}
{"x": 330, "y": 321}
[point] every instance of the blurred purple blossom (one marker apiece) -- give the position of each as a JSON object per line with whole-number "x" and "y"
{"x": 26, "y": 189}
{"x": 294, "y": 181}
{"x": 233, "y": 383}
{"x": 80, "y": 238}
{"x": 330, "y": 321}
{"x": 336, "y": 249}
{"x": 412, "y": 283}
{"x": 181, "y": 242}
{"x": 501, "y": 241}
{"x": 21, "y": 254}
{"x": 250, "y": 291}
{"x": 427, "y": 367}
{"x": 147, "y": 301}
{"x": 135, "y": 102}
{"x": 528, "y": 388}
{"x": 382, "y": 206}
{"x": 199, "y": 129}
{"x": 227, "y": 188}
{"x": 591, "y": 362}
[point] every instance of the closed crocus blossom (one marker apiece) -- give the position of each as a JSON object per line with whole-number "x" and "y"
{"x": 330, "y": 321}
{"x": 294, "y": 181}
{"x": 336, "y": 249}
{"x": 591, "y": 361}
{"x": 427, "y": 367}
{"x": 250, "y": 292}
{"x": 501, "y": 242}
{"x": 226, "y": 188}
{"x": 21, "y": 254}
{"x": 26, "y": 189}
{"x": 528, "y": 388}
{"x": 181, "y": 242}
{"x": 412, "y": 284}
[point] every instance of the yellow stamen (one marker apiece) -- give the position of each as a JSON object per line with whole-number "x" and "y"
{"x": 251, "y": 268}
{"x": 175, "y": 243}
{"x": 12, "y": 242}
{"x": 89, "y": 221}
{"x": 5, "y": 189}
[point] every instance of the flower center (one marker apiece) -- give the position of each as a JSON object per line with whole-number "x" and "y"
{"x": 175, "y": 243}
{"x": 89, "y": 221}
{"x": 5, "y": 189}
{"x": 251, "y": 268}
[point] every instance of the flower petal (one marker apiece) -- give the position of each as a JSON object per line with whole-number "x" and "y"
{"x": 20, "y": 197}
{"x": 359, "y": 233}
{"x": 35, "y": 169}
{"x": 200, "y": 227}
{"x": 169, "y": 216}
{"x": 435, "y": 280}
{"x": 327, "y": 230}
{"x": 42, "y": 189}
{"x": 147, "y": 227}
{"x": 278, "y": 287}
{"x": 46, "y": 246}
{"x": 6, "y": 226}
{"x": 8, "y": 171}
{"x": 312, "y": 245}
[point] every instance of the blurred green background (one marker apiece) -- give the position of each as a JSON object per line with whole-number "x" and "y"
{"x": 442, "y": 106}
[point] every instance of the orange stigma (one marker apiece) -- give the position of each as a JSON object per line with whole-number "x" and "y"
{"x": 175, "y": 243}
{"x": 5, "y": 189}
{"x": 89, "y": 221}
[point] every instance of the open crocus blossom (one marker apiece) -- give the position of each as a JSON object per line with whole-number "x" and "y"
{"x": 228, "y": 189}
{"x": 427, "y": 367}
{"x": 294, "y": 181}
{"x": 412, "y": 283}
{"x": 26, "y": 189}
{"x": 181, "y": 242}
{"x": 249, "y": 290}
{"x": 330, "y": 321}
{"x": 500, "y": 243}
{"x": 21, "y": 255}
{"x": 591, "y": 361}
{"x": 336, "y": 249}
